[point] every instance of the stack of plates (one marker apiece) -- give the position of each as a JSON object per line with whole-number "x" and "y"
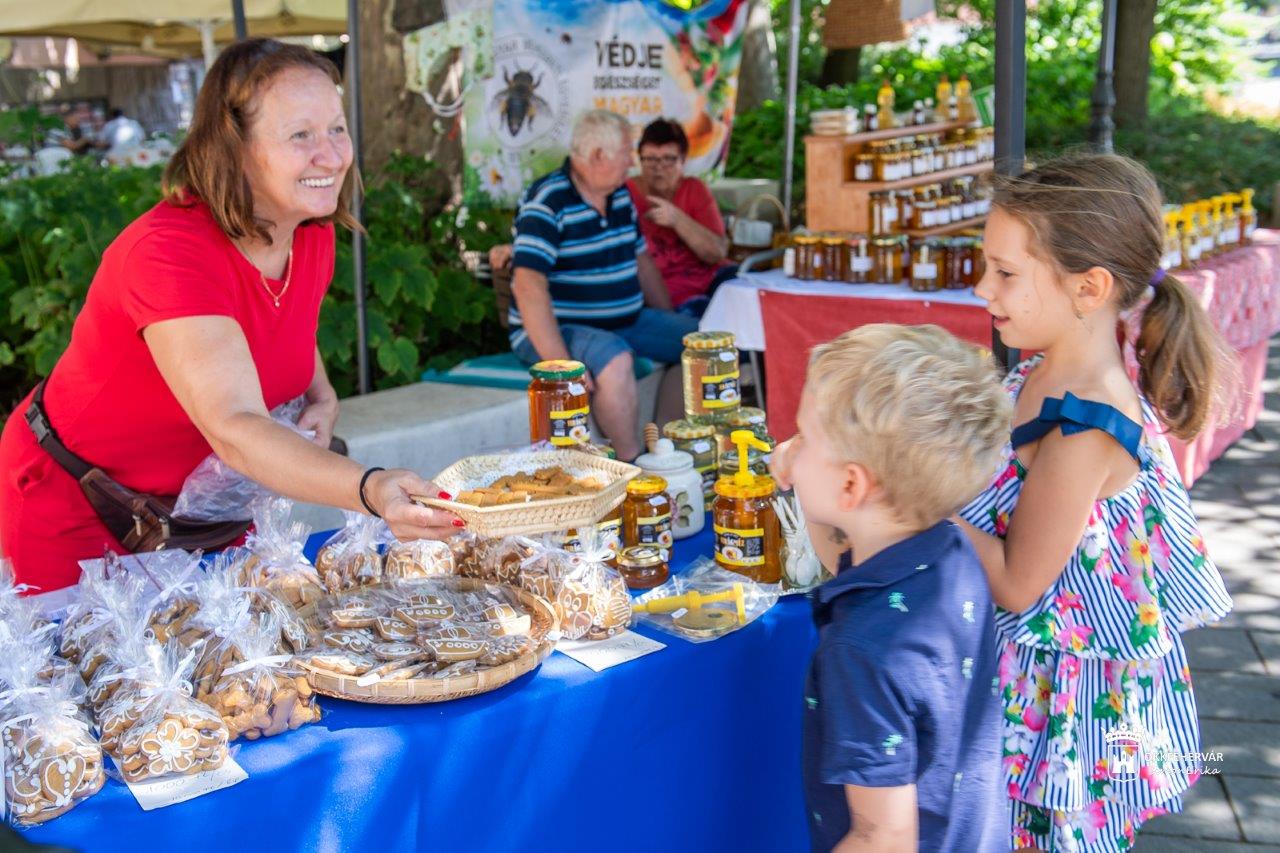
{"x": 834, "y": 122}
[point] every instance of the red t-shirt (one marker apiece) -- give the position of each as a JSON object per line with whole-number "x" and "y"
{"x": 107, "y": 399}
{"x": 684, "y": 272}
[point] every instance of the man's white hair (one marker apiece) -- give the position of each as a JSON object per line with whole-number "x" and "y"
{"x": 600, "y": 129}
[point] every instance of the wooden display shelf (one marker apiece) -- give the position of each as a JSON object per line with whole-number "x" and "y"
{"x": 949, "y": 228}
{"x": 927, "y": 178}
{"x": 836, "y": 202}
{"x": 893, "y": 132}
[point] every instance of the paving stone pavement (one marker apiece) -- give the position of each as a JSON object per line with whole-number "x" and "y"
{"x": 1235, "y": 666}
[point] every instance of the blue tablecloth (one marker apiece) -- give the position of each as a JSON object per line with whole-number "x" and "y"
{"x": 694, "y": 747}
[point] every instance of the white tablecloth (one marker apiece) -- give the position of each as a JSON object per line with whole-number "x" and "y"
{"x": 736, "y": 304}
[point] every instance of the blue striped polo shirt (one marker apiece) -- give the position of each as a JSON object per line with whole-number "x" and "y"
{"x": 589, "y": 260}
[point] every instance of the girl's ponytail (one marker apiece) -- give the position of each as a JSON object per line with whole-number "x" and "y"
{"x": 1180, "y": 358}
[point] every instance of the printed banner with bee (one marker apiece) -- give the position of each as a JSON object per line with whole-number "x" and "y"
{"x": 531, "y": 66}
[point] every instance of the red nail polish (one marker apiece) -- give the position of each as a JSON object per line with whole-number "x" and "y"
{"x": 457, "y": 522}
{"x": 445, "y": 496}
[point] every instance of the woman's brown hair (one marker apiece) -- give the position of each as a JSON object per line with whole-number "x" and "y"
{"x": 1103, "y": 210}
{"x": 209, "y": 163}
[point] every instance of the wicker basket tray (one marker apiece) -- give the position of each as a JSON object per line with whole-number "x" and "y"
{"x": 535, "y": 516}
{"x": 417, "y": 691}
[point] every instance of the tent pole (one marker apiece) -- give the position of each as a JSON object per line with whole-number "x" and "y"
{"x": 1010, "y": 109}
{"x": 793, "y": 72}
{"x": 237, "y": 13}
{"x": 1104, "y": 94}
{"x": 357, "y": 238}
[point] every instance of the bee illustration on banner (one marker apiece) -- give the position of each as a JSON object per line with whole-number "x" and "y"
{"x": 519, "y": 102}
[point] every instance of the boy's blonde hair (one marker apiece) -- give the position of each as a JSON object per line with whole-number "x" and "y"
{"x": 921, "y": 410}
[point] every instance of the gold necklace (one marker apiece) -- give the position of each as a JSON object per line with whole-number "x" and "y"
{"x": 288, "y": 274}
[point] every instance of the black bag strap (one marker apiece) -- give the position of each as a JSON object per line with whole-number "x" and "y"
{"x": 47, "y": 436}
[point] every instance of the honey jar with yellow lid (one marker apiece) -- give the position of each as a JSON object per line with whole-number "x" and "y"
{"x": 646, "y": 513}
{"x": 748, "y": 533}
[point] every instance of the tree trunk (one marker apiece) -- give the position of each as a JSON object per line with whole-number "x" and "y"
{"x": 1135, "y": 27}
{"x": 758, "y": 74}
{"x": 840, "y": 66}
{"x": 396, "y": 119}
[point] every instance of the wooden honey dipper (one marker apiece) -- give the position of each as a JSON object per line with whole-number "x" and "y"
{"x": 651, "y": 436}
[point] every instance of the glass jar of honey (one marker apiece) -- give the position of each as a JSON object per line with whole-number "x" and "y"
{"x": 834, "y": 255}
{"x": 709, "y": 365}
{"x": 643, "y": 566}
{"x": 859, "y": 265}
{"x": 925, "y": 214}
{"x": 906, "y": 209}
{"x": 608, "y": 536}
{"x": 805, "y": 247}
{"x": 748, "y": 534}
{"x": 864, "y": 166}
{"x": 889, "y": 257}
{"x": 558, "y": 403}
{"x": 646, "y": 513}
{"x": 926, "y": 260}
{"x": 700, "y": 442}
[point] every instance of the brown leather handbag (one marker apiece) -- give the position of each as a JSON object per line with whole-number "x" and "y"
{"x": 139, "y": 521}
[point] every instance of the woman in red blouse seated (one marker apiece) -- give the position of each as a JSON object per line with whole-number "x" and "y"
{"x": 679, "y": 219}
{"x": 201, "y": 318}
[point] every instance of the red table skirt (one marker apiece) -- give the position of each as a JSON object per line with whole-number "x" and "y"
{"x": 1240, "y": 289}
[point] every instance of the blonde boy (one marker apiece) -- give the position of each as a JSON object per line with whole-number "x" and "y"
{"x": 899, "y": 426}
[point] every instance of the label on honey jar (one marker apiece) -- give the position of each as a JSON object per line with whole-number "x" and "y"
{"x": 570, "y": 427}
{"x": 720, "y": 392}
{"x": 609, "y": 535}
{"x": 859, "y": 263}
{"x": 655, "y": 530}
{"x": 743, "y": 548}
{"x": 924, "y": 270}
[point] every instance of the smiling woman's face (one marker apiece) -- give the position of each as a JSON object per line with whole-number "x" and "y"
{"x": 298, "y": 152}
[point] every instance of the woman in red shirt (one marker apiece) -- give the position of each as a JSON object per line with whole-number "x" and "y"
{"x": 679, "y": 219}
{"x": 201, "y": 318}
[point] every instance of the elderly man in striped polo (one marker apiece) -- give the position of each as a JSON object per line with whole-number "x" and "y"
{"x": 585, "y": 287}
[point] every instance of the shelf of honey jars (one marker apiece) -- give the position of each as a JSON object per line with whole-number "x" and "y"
{"x": 924, "y": 264}
{"x": 840, "y": 178}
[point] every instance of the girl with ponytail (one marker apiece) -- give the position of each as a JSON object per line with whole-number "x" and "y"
{"x": 1086, "y": 532}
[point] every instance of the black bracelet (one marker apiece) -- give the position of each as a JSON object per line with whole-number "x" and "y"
{"x": 363, "y": 499}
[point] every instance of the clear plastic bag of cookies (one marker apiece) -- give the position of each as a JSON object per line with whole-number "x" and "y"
{"x": 589, "y": 597}
{"x": 352, "y": 556}
{"x": 266, "y": 693}
{"x": 466, "y": 548}
{"x": 275, "y": 558}
{"x": 51, "y": 760}
{"x": 419, "y": 558}
{"x": 153, "y": 727}
{"x": 171, "y": 592}
{"x": 104, "y": 595}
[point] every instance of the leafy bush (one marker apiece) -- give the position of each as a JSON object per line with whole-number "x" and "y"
{"x": 53, "y": 231}
{"x": 424, "y": 309}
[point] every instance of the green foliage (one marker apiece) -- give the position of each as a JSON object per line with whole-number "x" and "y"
{"x": 1194, "y": 52}
{"x": 424, "y": 308}
{"x": 53, "y": 231}
{"x": 26, "y": 126}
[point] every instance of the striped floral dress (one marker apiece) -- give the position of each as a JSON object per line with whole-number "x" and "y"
{"x": 1100, "y": 730}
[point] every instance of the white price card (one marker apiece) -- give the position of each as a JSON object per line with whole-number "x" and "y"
{"x": 601, "y": 654}
{"x": 158, "y": 793}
